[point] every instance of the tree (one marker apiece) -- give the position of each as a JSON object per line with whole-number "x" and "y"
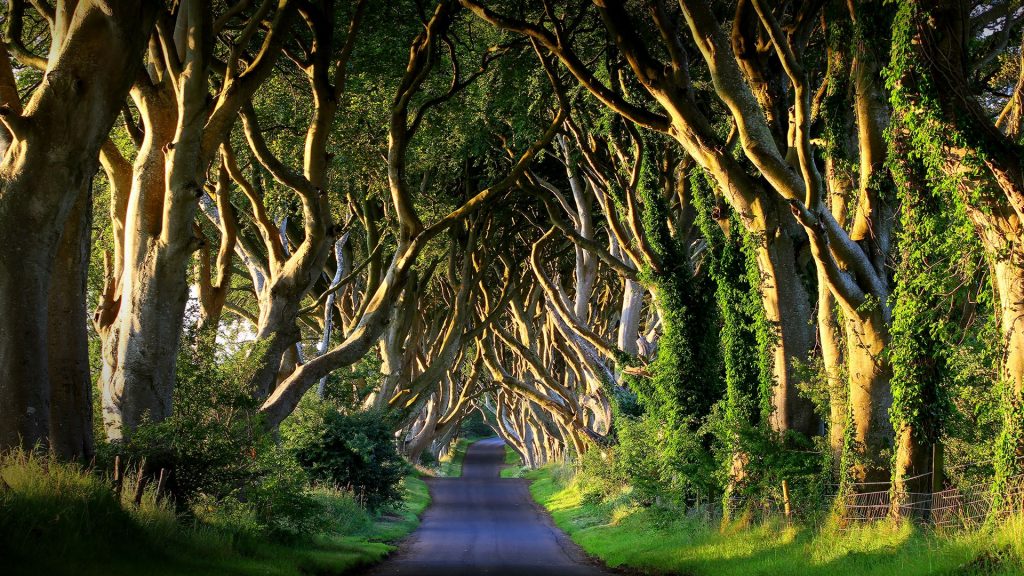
{"x": 54, "y": 141}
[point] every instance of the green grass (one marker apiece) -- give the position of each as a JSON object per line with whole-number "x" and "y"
{"x": 400, "y": 523}
{"x": 655, "y": 540}
{"x": 57, "y": 519}
{"x": 513, "y": 464}
{"x": 450, "y": 465}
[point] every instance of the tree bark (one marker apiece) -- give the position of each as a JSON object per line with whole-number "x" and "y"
{"x": 141, "y": 347}
{"x": 71, "y": 435}
{"x": 833, "y": 363}
{"x": 1008, "y": 279}
{"x": 787, "y": 309}
{"x": 1008, "y": 276}
{"x": 629, "y": 317}
{"x": 870, "y": 396}
{"x": 54, "y": 153}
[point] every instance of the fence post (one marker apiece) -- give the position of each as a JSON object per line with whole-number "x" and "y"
{"x": 785, "y": 499}
{"x": 118, "y": 477}
{"x": 161, "y": 484}
{"x": 140, "y": 484}
{"x": 938, "y": 458}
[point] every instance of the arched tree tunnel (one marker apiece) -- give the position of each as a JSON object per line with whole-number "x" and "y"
{"x": 737, "y": 251}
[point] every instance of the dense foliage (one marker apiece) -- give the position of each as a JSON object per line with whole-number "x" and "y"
{"x": 730, "y": 255}
{"x": 354, "y": 452}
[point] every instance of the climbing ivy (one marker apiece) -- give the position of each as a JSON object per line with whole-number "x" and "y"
{"x": 738, "y": 304}
{"x": 931, "y": 242}
{"x": 686, "y": 376}
{"x": 685, "y": 380}
{"x": 937, "y": 240}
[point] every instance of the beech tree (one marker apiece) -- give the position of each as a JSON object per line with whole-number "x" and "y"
{"x": 53, "y": 142}
{"x": 973, "y": 154}
{"x": 711, "y": 245}
{"x": 412, "y": 235}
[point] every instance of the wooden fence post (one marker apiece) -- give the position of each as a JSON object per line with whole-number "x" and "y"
{"x": 785, "y": 499}
{"x": 938, "y": 463}
{"x": 161, "y": 483}
{"x": 140, "y": 483}
{"x": 118, "y": 478}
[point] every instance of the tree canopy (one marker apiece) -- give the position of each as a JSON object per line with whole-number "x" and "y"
{"x": 723, "y": 243}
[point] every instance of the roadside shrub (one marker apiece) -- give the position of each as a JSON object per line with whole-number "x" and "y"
{"x": 638, "y": 456}
{"x": 342, "y": 514}
{"x": 353, "y": 452}
{"x": 771, "y": 458}
{"x": 428, "y": 459}
{"x": 211, "y": 441}
{"x": 277, "y": 504}
{"x": 664, "y": 464}
{"x": 281, "y": 496}
{"x": 597, "y": 478}
{"x": 224, "y": 468}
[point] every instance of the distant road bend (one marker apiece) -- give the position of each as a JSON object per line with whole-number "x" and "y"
{"x": 480, "y": 524}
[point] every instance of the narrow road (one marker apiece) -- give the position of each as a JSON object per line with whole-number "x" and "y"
{"x": 480, "y": 524}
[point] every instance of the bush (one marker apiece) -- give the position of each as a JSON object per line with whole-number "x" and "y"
{"x": 354, "y": 452}
{"x": 597, "y": 479}
{"x": 665, "y": 464}
{"x": 59, "y": 518}
{"x": 767, "y": 458}
{"x": 278, "y": 503}
{"x": 342, "y": 514}
{"x": 224, "y": 468}
{"x": 281, "y": 497}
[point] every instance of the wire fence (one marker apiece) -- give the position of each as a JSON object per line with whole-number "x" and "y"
{"x": 955, "y": 507}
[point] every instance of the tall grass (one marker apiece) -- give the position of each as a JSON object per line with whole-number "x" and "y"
{"x": 50, "y": 509}
{"x": 59, "y": 518}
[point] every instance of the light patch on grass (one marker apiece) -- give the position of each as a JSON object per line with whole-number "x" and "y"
{"x": 620, "y": 513}
{"x": 667, "y": 541}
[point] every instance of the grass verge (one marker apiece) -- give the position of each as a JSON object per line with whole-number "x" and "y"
{"x": 450, "y": 465}
{"x": 657, "y": 540}
{"x": 58, "y": 519}
{"x": 513, "y": 464}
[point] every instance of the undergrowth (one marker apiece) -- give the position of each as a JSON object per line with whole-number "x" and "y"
{"x": 59, "y": 518}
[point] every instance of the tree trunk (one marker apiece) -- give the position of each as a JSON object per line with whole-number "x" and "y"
{"x": 870, "y": 396}
{"x": 24, "y": 386}
{"x": 141, "y": 351}
{"x": 50, "y": 161}
{"x": 424, "y": 435}
{"x": 1008, "y": 279}
{"x": 830, "y": 338}
{"x": 71, "y": 435}
{"x": 787, "y": 308}
{"x": 277, "y": 333}
{"x": 629, "y": 319}
{"x": 913, "y": 459}
{"x": 1009, "y": 284}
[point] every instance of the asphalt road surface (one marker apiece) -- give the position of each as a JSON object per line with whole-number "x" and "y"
{"x": 482, "y": 524}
